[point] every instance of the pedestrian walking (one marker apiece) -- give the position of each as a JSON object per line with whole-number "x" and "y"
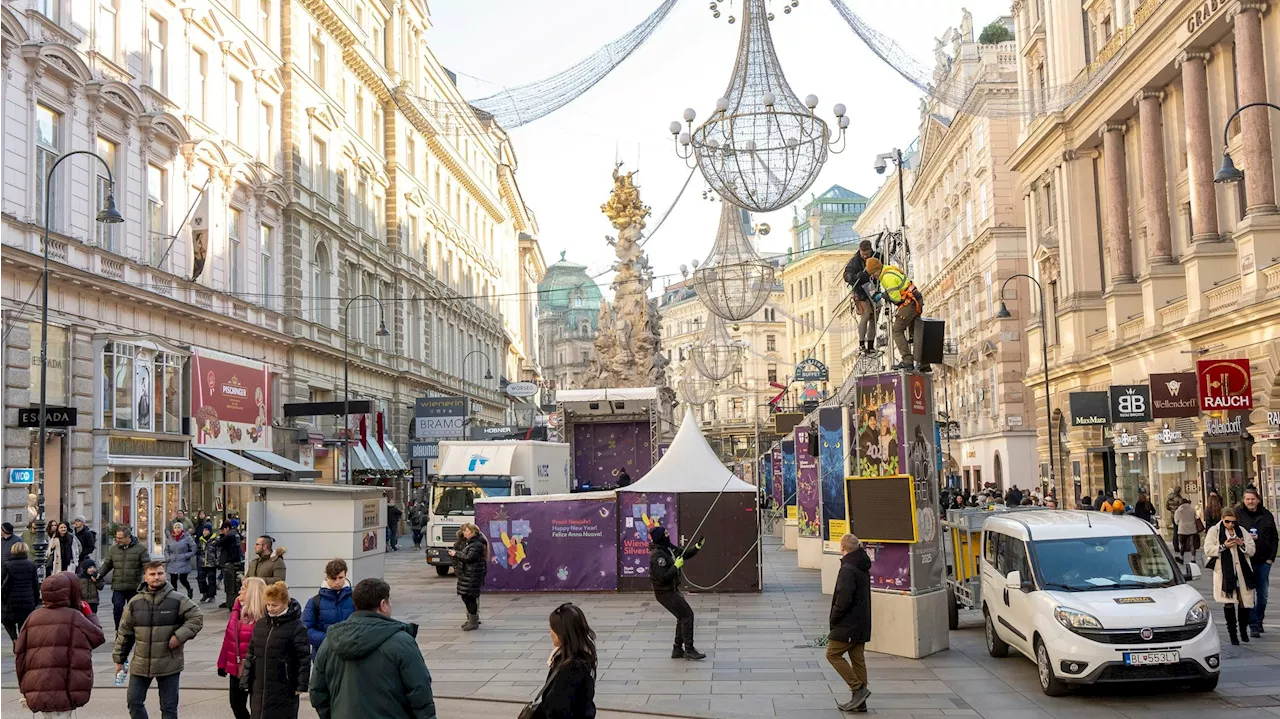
{"x": 665, "y": 562}
{"x": 417, "y": 522}
{"x": 570, "y": 689}
{"x": 394, "y": 515}
{"x": 1230, "y": 547}
{"x": 89, "y": 583}
{"x": 278, "y": 667}
{"x": 230, "y": 558}
{"x": 86, "y": 540}
{"x": 332, "y": 604}
{"x": 470, "y": 562}
{"x": 19, "y": 589}
{"x": 851, "y": 622}
{"x": 61, "y": 552}
{"x": 269, "y": 564}
{"x": 207, "y": 564}
{"x": 249, "y": 607}
{"x": 1212, "y": 508}
{"x": 1187, "y": 527}
{"x": 156, "y": 625}
{"x": 1258, "y": 521}
{"x": 182, "y": 518}
{"x": 1143, "y": 509}
{"x": 53, "y": 657}
{"x": 7, "y": 540}
{"x": 370, "y": 665}
{"x": 179, "y": 556}
{"x": 124, "y": 562}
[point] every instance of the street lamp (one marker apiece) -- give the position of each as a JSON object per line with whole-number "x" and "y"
{"x": 346, "y": 374}
{"x": 488, "y": 373}
{"x": 108, "y": 215}
{"x": 1229, "y": 173}
{"x": 1003, "y": 314}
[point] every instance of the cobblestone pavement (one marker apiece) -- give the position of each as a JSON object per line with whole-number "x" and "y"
{"x": 761, "y": 661}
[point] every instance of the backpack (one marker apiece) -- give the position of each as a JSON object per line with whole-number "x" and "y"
{"x": 315, "y": 613}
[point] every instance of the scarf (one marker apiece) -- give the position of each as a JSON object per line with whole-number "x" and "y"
{"x": 1230, "y": 583}
{"x": 177, "y": 534}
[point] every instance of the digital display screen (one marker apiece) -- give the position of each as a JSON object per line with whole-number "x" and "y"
{"x": 882, "y": 509}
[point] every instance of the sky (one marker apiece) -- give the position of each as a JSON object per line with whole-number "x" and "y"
{"x": 565, "y": 159}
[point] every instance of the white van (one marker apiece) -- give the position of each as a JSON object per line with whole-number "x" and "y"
{"x": 1093, "y": 598}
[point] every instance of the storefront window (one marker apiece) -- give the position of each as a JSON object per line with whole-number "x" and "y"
{"x": 1131, "y": 476}
{"x": 141, "y": 390}
{"x": 117, "y": 390}
{"x": 1227, "y": 472}
{"x": 168, "y": 486}
{"x": 117, "y": 506}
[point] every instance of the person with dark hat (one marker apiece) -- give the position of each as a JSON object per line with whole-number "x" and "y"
{"x": 665, "y": 562}
{"x": 231, "y": 559}
{"x": 858, "y": 279}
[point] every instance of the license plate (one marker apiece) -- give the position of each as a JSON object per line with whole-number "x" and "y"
{"x": 1148, "y": 658}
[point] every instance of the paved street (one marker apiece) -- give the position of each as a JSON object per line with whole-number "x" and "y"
{"x": 760, "y": 662}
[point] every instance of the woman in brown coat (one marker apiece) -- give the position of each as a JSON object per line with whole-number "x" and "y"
{"x": 54, "y": 654}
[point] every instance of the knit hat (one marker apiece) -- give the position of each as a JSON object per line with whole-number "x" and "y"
{"x": 658, "y": 535}
{"x": 873, "y": 265}
{"x": 8, "y": 528}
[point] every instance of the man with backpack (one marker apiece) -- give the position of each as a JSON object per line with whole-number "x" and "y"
{"x": 332, "y": 604}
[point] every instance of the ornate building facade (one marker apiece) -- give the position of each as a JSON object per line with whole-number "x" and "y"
{"x": 568, "y": 320}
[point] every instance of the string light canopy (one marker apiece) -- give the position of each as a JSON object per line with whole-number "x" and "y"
{"x": 695, "y": 389}
{"x": 734, "y": 282}
{"x": 762, "y": 147}
{"x": 716, "y": 354}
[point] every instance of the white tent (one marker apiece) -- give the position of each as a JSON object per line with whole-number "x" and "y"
{"x": 690, "y": 465}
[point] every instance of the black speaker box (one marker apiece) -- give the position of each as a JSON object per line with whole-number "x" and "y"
{"x": 927, "y": 344}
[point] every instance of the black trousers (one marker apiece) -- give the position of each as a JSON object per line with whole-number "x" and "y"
{"x": 174, "y": 579}
{"x": 19, "y": 618}
{"x": 231, "y": 581}
{"x": 675, "y": 603}
{"x": 472, "y": 604}
{"x": 239, "y": 699}
{"x": 207, "y": 578}
{"x": 120, "y": 598}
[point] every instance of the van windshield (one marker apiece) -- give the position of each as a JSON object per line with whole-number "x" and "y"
{"x": 453, "y": 499}
{"x": 1104, "y": 563}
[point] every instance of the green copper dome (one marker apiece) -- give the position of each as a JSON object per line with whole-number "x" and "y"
{"x": 567, "y": 286}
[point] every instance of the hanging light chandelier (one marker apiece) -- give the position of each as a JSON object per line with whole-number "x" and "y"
{"x": 761, "y": 147}
{"x": 695, "y": 389}
{"x": 734, "y": 282}
{"x": 716, "y": 354}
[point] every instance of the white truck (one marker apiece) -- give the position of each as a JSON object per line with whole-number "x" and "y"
{"x": 471, "y": 469}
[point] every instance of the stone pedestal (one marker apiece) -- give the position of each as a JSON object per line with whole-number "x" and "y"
{"x": 1258, "y": 247}
{"x": 790, "y": 534}
{"x": 830, "y": 566}
{"x": 1207, "y": 265}
{"x": 809, "y": 552}
{"x": 907, "y": 626}
{"x": 778, "y": 529}
{"x": 1124, "y": 300}
{"x": 1161, "y": 285}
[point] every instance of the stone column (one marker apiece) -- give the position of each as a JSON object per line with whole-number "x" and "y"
{"x": 1155, "y": 180}
{"x": 1200, "y": 169}
{"x": 1255, "y": 123}
{"x": 1117, "y": 213}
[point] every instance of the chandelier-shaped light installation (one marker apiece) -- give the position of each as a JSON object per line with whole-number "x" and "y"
{"x": 695, "y": 389}
{"x": 716, "y": 354}
{"x": 734, "y": 282}
{"x": 762, "y": 147}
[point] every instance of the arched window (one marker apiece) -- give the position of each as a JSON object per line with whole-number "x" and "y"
{"x": 413, "y": 337}
{"x": 999, "y": 470}
{"x": 320, "y": 285}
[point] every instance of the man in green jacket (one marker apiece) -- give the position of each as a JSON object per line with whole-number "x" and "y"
{"x": 370, "y": 664}
{"x": 156, "y": 625}
{"x": 126, "y": 558}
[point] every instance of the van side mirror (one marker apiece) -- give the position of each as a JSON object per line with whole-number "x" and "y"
{"x": 1013, "y": 580}
{"x": 1193, "y": 571}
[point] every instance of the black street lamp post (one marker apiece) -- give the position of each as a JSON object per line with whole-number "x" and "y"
{"x": 1229, "y": 173}
{"x": 346, "y": 374}
{"x": 1003, "y": 314}
{"x": 488, "y": 369}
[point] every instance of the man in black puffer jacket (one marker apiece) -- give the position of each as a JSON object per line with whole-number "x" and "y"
{"x": 851, "y": 621}
{"x": 1258, "y": 521}
{"x": 665, "y": 562}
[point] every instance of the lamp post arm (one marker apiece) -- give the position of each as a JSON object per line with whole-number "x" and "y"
{"x": 1227, "y": 125}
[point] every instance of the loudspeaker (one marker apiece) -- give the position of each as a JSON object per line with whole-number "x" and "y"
{"x": 813, "y": 441}
{"x": 927, "y": 344}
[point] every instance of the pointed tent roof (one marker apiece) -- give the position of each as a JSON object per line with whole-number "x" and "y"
{"x": 690, "y": 465}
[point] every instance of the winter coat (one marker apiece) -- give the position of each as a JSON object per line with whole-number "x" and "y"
{"x": 88, "y": 585}
{"x": 61, "y": 554}
{"x": 1213, "y": 548}
{"x": 851, "y": 603}
{"x": 86, "y": 544}
{"x": 471, "y": 563}
{"x": 1185, "y": 519}
{"x": 207, "y": 552}
{"x": 1144, "y": 511}
{"x": 570, "y": 695}
{"x": 54, "y": 654}
{"x": 6, "y": 545}
{"x": 394, "y": 515}
{"x": 125, "y": 565}
{"x": 417, "y": 517}
{"x": 150, "y": 619}
{"x": 324, "y": 610}
{"x": 1262, "y": 525}
{"x": 278, "y": 665}
{"x": 229, "y": 551}
{"x": 21, "y": 591}
{"x": 179, "y": 554}
{"x": 370, "y": 666}
{"x": 662, "y": 565}
{"x": 269, "y": 569}
{"x": 855, "y": 274}
{"x": 235, "y": 641}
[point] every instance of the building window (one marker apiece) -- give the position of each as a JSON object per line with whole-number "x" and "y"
{"x": 235, "y": 250}
{"x": 106, "y": 32}
{"x": 266, "y": 126}
{"x": 268, "y": 279}
{"x": 411, "y": 155}
{"x": 157, "y": 235}
{"x": 317, "y": 62}
{"x": 772, "y": 373}
{"x": 235, "y": 93}
{"x": 264, "y": 18}
{"x": 117, "y": 385}
{"x": 320, "y": 160}
{"x": 200, "y": 71}
{"x": 156, "y": 61}
{"x": 104, "y": 233}
{"x": 320, "y": 285}
{"x": 50, "y": 9}
{"x": 770, "y": 343}
{"x": 47, "y": 140}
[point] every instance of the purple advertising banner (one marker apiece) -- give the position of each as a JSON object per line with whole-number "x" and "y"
{"x": 600, "y": 450}
{"x": 890, "y": 565}
{"x": 778, "y": 484}
{"x": 879, "y": 426}
{"x": 808, "y": 518}
{"x": 557, "y": 546}
{"x": 639, "y": 512}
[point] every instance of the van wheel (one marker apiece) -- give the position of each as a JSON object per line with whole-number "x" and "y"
{"x": 953, "y": 610}
{"x": 996, "y": 646}
{"x": 1049, "y": 683}
{"x": 442, "y": 571}
{"x": 1205, "y": 685}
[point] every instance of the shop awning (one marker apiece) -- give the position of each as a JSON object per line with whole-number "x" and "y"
{"x": 360, "y": 459}
{"x": 397, "y": 462}
{"x": 299, "y": 471}
{"x": 238, "y": 462}
{"x": 379, "y": 459}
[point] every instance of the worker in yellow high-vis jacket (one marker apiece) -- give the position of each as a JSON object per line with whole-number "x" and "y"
{"x": 901, "y": 292}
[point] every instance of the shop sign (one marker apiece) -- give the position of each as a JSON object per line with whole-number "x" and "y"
{"x": 230, "y": 405}
{"x": 1174, "y": 395}
{"x": 1131, "y": 403}
{"x": 440, "y": 417}
{"x": 1273, "y": 419}
{"x": 1169, "y": 436}
{"x": 811, "y": 370}
{"x": 522, "y": 389}
{"x": 424, "y": 450}
{"x": 1089, "y": 409}
{"x": 1220, "y": 427}
{"x": 1014, "y": 420}
{"x": 1224, "y": 384}
{"x": 1124, "y": 439}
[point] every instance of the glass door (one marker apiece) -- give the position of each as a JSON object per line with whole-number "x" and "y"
{"x": 166, "y": 491}
{"x": 1226, "y": 473}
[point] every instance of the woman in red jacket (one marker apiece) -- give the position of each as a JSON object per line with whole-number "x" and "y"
{"x": 249, "y": 607}
{"x": 54, "y": 654}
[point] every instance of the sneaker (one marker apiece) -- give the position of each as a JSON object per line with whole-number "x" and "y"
{"x": 1255, "y": 632}
{"x": 858, "y": 703}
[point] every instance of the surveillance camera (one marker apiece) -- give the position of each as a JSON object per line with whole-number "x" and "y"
{"x": 881, "y": 166}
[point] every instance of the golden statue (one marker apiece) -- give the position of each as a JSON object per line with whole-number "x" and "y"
{"x": 624, "y": 208}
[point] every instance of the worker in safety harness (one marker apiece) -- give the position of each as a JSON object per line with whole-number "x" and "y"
{"x": 665, "y": 562}
{"x": 903, "y": 294}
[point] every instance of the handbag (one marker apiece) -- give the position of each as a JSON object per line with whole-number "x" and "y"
{"x": 1199, "y": 525}
{"x": 532, "y": 707}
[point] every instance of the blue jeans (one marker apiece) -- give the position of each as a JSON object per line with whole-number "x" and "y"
{"x": 168, "y": 688}
{"x": 417, "y": 537}
{"x": 1263, "y": 574}
{"x": 120, "y": 598}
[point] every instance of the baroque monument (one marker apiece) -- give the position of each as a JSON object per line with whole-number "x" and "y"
{"x": 627, "y": 346}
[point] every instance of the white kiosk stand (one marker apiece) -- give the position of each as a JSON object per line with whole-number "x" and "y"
{"x": 320, "y": 522}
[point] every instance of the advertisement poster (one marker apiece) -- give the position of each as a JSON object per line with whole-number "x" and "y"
{"x": 558, "y": 546}
{"x": 890, "y": 566}
{"x": 775, "y": 471}
{"x": 831, "y": 462}
{"x": 601, "y": 450}
{"x": 766, "y": 475}
{"x": 229, "y": 401}
{"x": 789, "y": 475}
{"x": 142, "y": 391}
{"x": 928, "y": 565}
{"x": 878, "y": 403}
{"x": 809, "y": 513}
{"x": 638, "y": 513}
